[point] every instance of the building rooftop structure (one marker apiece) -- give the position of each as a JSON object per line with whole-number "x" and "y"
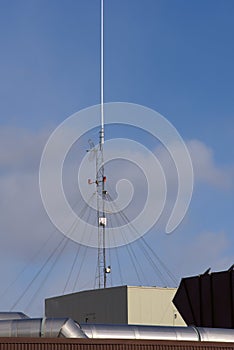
{"x": 207, "y": 300}
{"x": 118, "y": 305}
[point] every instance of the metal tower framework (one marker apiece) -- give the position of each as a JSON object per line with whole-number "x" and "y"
{"x": 100, "y": 174}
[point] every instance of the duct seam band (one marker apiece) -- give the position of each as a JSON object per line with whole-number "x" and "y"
{"x": 197, "y": 332}
{"x": 42, "y": 330}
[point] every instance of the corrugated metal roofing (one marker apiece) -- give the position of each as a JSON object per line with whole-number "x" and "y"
{"x": 91, "y": 344}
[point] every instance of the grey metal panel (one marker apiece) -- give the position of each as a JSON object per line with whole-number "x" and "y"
{"x": 94, "y": 306}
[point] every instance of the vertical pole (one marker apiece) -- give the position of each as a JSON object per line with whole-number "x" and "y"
{"x": 103, "y": 232}
{"x": 102, "y": 74}
{"x": 100, "y": 171}
{"x": 98, "y": 276}
{"x": 102, "y": 143}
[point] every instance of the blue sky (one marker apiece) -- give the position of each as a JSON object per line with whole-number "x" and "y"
{"x": 174, "y": 56}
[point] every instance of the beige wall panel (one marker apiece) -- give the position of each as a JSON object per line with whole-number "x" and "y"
{"x": 152, "y": 306}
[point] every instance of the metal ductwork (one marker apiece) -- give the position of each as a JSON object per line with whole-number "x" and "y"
{"x": 138, "y": 332}
{"x": 41, "y": 327}
{"x": 215, "y": 334}
{"x": 157, "y": 333}
{"x": 12, "y": 316}
{"x": 67, "y": 328}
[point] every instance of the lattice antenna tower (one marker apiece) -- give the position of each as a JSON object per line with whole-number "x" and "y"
{"x": 102, "y": 269}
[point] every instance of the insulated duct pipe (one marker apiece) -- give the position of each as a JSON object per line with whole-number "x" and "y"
{"x": 12, "y": 315}
{"x": 41, "y": 327}
{"x": 67, "y": 328}
{"x": 157, "y": 333}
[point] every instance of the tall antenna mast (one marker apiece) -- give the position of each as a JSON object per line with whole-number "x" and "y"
{"x": 102, "y": 74}
{"x": 100, "y": 174}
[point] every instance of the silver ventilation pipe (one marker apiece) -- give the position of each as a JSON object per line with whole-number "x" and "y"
{"x": 98, "y": 331}
{"x": 216, "y": 334}
{"x": 41, "y": 327}
{"x": 12, "y": 315}
{"x": 67, "y": 328}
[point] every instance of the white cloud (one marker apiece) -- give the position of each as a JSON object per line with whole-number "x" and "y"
{"x": 20, "y": 149}
{"x": 205, "y": 168}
